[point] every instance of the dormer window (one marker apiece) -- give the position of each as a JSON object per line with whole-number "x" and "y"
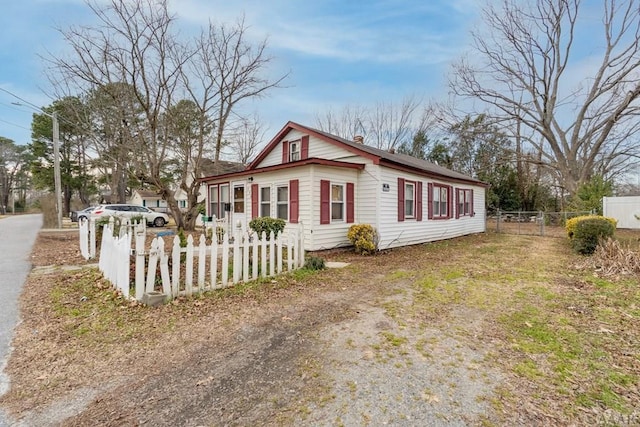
{"x": 294, "y": 151}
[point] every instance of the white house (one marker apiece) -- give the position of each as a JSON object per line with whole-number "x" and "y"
{"x": 153, "y": 200}
{"x": 330, "y": 183}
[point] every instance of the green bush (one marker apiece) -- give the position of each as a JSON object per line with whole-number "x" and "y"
{"x": 267, "y": 224}
{"x": 364, "y": 238}
{"x": 589, "y": 232}
{"x": 314, "y": 263}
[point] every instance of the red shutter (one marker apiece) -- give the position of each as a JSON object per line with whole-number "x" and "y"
{"x": 304, "y": 150}
{"x": 472, "y": 213}
{"x": 350, "y": 203}
{"x": 293, "y": 201}
{"x": 430, "y": 200}
{"x": 419, "y": 201}
{"x": 254, "y": 200}
{"x": 400, "y": 199}
{"x": 285, "y": 151}
{"x": 325, "y": 202}
{"x": 450, "y": 201}
{"x": 458, "y": 203}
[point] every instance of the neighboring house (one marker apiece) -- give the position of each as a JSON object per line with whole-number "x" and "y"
{"x": 330, "y": 183}
{"x": 153, "y": 200}
{"x": 625, "y": 209}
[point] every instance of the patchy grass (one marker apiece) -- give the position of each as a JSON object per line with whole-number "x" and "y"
{"x": 568, "y": 337}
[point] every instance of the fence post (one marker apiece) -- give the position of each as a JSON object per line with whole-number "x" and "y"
{"x": 140, "y": 244}
{"x": 301, "y": 239}
{"x": 213, "y": 280}
{"x": 263, "y": 253}
{"x": 202, "y": 262}
{"x": 255, "y": 256}
{"x": 541, "y": 216}
{"x": 245, "y": 257}
{"x": 164, "y": 268}
{"x": 189, "y": 267}
{"x": 153, "y": 265}
{"x": 498, "y": 221}
{"x": 237, "y": 257}
{"x": 175, "y": 266}
{"x": 225, "y": 260}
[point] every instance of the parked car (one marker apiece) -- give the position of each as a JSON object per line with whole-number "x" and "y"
{"x": 81, "y": 214}
{"x": 157, "y": 219}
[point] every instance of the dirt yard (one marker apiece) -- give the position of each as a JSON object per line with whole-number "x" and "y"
{"x": 412, "y": 336}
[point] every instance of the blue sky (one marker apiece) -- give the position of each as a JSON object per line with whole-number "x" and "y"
{"x": 338, "y": 52}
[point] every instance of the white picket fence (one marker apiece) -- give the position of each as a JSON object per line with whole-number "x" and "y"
{"x": 241, "y": 257}
{"x": 87, "y": 238}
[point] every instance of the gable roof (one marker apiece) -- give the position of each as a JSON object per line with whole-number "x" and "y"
{"x": 381, "y": 157}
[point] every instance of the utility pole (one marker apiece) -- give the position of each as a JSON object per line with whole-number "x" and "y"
{"x": 56, "y": 167}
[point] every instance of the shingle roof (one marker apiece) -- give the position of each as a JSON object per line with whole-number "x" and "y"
{"x": 400, "y": 159}
{"x": 220, "y": 167}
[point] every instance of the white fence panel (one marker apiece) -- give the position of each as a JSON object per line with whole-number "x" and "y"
{"x": 243, "y": 256}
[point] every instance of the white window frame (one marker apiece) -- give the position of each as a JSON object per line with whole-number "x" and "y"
{"x": 438, "y": 191}
{"x": 294, "y": 151}
{"x": 265, "y": 203}
{"x": 464, "y": 201}
{"x": 409, "y": 199}
{"x": 342, "y": 202}
{"x": 280, "y": 203}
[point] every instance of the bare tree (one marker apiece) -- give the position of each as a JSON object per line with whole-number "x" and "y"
{"x": 246, "y": 137}
{"x": 228, "y": 70}
{"x": 386, "y": 125}
{"x": 134, "y": 44}
{"x": 224, "y": 70}
{"x": 346, "y": 124}
{"x": 524, "y": 77}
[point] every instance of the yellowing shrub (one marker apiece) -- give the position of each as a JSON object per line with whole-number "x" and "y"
{"x": 364, "y": 238}
{"x": 572, "y": 224}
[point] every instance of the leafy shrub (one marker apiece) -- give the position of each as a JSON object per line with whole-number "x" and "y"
{"x": 267, "y": 225}
{"x": 315, "y": 263}
{"x": 572, "y": 223}
{"x": 364, "y": 238}
{"x": 589, "y": 232}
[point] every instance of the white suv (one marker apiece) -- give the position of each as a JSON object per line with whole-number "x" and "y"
{"x": 157, "y": 219}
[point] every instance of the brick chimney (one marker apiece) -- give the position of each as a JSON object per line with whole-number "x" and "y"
{"x": 358, "y": 139}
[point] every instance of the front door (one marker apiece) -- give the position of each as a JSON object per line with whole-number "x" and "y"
{"x": 238, "y": 206}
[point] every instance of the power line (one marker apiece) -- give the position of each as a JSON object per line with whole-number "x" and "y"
{"x": 14, "y": 124}
{"x": 31, "y": 104}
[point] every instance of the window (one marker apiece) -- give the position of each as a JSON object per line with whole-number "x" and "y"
{"x": 409, "y": 200}
{"x": 265, "y": 201}
{"x": 238, "y": 199}
{"x": 337, "y": 202}
{"x": 464, "y": 202}
{"x": 183, "y": 204}
{"x": 440, "y": 201}
{"x": 282, "y": 202}
{"x": 409, "y": 195}
{"x": 294, "y": 151}
{"x": 218, "y": 199}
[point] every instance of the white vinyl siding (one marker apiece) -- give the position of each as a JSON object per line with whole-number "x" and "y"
{"x": 394, "y": 233}
{"x": 317, "y": 148}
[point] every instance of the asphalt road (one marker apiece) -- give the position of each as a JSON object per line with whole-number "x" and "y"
{"x": 17, "y": 236}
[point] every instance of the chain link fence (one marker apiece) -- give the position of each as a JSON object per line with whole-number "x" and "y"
{"x": 534, "y": 223}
